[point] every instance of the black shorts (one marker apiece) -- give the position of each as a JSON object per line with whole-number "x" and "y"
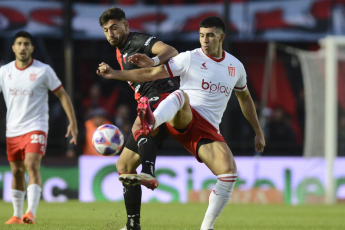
{"x": 159, "y": 139}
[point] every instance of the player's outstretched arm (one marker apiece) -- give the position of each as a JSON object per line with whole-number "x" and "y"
{"x": 135, "y": 75}
{"x": 249, "y": 111}
{"x": 162, "y": 51}
{"x": 72, "y": 129}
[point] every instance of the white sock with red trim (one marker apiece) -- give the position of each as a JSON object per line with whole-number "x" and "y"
{"x": 167, "y": 109}
{"x": 34, "y": 195}
{"x": 17, "y": 202}
{"x": 219, "y": 197}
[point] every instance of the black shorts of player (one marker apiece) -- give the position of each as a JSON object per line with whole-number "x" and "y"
{"x": 203, "y": 141}
{"x": 159, "y": 139}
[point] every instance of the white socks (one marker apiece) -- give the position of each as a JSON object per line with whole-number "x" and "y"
{"x": 168, "y": 108}
{"x": 34, "y": 195}
{"x": 17, "y": 202}
{"x": 219, "y": 197}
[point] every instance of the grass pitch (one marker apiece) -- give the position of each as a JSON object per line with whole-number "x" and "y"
{"x": 157, "y": 216}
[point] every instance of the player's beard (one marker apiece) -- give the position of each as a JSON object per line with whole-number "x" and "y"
{"x": 118, "y": 42}
{"x": 24, "y": 59}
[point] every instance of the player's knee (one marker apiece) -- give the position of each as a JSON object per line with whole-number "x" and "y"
{"x": 32, "y": 165}
{"x": 18, "y": 172}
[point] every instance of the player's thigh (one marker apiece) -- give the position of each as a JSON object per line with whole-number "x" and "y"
{"x": 218, "y": 157}
{"x": 184, "y": 116}
{"x": 136, "y": 125}
{"x": 128, "y": 161}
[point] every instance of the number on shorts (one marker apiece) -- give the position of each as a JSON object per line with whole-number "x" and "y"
{"x": 35, "y": 138}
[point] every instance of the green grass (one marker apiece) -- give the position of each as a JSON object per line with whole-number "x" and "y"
{"x": 173, "y": 216}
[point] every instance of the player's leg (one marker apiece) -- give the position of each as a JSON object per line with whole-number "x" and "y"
{"x": 36, "y": 142}
{"x": 174, "y": 109}
{"x": 33, "y": 164}
{"x": 146, "y": 147}
{"x": 218, "y": 157}
{"x": 15, "y": 156}
{"x": 127, "y": 164}
{"x": 17, "y": 191}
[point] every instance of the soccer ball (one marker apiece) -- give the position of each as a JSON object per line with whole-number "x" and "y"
{"x": 107, "y": 140}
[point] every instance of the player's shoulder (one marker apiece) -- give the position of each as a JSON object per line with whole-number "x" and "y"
{"x": 234, "y": 60}
{"x": 8, "y": 65}
{"x": 137, "y": 37}
{"x": 40, "y": 64}
{"x": 188, "y": 53}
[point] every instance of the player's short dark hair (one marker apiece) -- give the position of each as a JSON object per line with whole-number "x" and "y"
{"x": 213, "y": 22}
{"x": 112, "y": 13}
{"x": 23, "y": 34}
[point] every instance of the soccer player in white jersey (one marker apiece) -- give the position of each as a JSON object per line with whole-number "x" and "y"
{"x": 24, "y": 83}
{"x": 193, "y": 113}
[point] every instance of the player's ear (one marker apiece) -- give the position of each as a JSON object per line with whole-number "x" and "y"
{"x": 126, "y": 23}
{"x": 222, "y": 37}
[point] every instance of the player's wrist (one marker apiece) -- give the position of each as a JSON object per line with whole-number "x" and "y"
{"x": 156, "y": 61}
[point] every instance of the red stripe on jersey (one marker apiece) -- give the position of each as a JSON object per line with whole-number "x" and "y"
{"x": 15, "y": 64}
{"x": 118, "y": 57}
{"x": 169, "y": 70}
{"x": 215, "y": 59}
{"x": 241, "y": 88}
{"x": 57, "y": 88}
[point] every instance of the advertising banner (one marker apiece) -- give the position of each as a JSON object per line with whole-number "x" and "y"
{"x": 289, "y": 180}
{"x": 183, "y": 179}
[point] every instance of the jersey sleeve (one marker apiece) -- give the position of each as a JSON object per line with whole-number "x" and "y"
{"x": 178, "y": 65}
{"x": 52, "y": 81}
{"x": 241, "y": 84}
{"x": 148, "y": 42}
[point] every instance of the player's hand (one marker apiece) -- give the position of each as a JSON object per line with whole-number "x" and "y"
{"x": 141, "y": 60}
{"x": 72, "y": 130}
{"x": 260, "y": 143}
{"x": 105, "y": 71}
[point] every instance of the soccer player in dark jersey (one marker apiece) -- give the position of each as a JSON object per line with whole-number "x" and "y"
{"x": 139, "y": 148}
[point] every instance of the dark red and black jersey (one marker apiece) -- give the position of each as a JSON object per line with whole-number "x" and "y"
{"x": 142, "y": 43}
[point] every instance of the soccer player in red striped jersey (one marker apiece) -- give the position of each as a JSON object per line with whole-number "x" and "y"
{"x": 193, "y": 113}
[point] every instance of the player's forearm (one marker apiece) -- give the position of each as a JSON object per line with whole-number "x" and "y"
{"x": 249, "y": 112}
{"x": 139, "y": 75}
{"x": 68, "y": 108}
{"x": 167, "y": 53}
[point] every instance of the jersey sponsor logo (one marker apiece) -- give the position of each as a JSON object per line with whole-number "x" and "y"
{"x": 215, "y": 88}
{"x": 154, "y": 99}
{"x": 203, "y": 66}
{"x": 231, "y": 71}
{"x": 148, "y": 41}
{"x": 33, "y": 77}
{"x": 21, "y": 92}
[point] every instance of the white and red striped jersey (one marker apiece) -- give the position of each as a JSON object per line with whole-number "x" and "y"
{"x": 208, "y": 81}
{"x": 26, "y": 96}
